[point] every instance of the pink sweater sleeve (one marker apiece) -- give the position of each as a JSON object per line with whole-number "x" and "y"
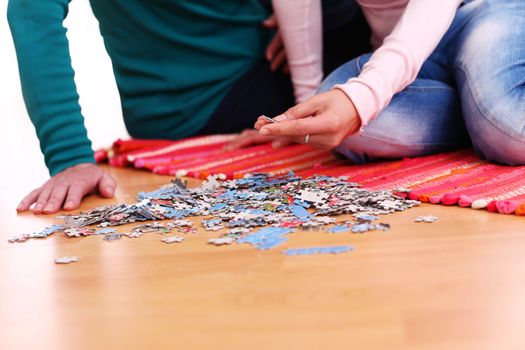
{"x": 300, "y": 26}
{"x": 396, "y": 63}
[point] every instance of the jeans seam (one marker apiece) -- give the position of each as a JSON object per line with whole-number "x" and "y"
{"x": 483, "y": 110}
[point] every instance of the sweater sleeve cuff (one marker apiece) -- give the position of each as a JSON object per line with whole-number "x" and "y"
{"x": 76, "y": 154}
{"x": 363, "y": 99}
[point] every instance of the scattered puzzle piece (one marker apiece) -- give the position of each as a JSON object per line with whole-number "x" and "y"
{"x": 66, "y": 260}
{"x": 172, "y": 239}
{"x": 427, "y": 218}
{"x": 221, "y": 241}
{"x": 112, "y": 236}
{"x": 339, "y": 229}
{"x": 319, "y": 250}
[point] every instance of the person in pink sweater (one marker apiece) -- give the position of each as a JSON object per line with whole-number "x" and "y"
{"x": 443, "y": 74}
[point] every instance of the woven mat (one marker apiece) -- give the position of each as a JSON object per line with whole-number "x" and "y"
{"x": 454, "y": 178}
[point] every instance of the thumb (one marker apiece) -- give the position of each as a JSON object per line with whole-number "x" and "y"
{"x": 107, "y": 186}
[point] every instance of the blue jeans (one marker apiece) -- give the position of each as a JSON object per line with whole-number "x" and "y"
{"x": 471, "y": 90}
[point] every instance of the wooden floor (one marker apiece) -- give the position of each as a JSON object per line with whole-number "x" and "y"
{"x": 458, "y": 283}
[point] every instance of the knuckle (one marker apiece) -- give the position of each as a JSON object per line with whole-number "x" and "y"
{"x": 298, "y": 129}
{"x": 55, "y": 199}
{"x": 336, "y": 125}
{"x": 80, "y": 183}
{"x": 291, "y": 112}
{"x": 32, "y": 194}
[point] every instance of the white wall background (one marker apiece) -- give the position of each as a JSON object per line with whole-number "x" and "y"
{"x": 96, "y": 86}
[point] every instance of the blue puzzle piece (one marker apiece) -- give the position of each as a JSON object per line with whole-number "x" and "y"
{"x": 266, "y": 238}
{"x": 360, "y": 228}
{"x": 300, "y": 212}
{"x": 319, "y": 250}
{"x": 217, "y": 207}
{"x": 339, "y": 229}
{"x": 365, "y": 217}
{"x": 105, "y": 231}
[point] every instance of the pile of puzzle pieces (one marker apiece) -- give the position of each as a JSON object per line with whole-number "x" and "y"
{"x": 258, "y": 210}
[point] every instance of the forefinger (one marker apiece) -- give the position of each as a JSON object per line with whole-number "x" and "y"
{"x": 298, "y": 127}
{"x": 28, "y": 200}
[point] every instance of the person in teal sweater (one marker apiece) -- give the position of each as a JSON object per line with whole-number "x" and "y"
{"x": 182, "y": 67}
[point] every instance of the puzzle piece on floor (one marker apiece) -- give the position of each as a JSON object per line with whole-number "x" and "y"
{"x": 105, "y": 231}
{"x": 365, "y": 217}
{"x": 133, "y": 234}
{"x": 156, "y": 227}
{"x": 181, "y": 223}
{"x": 66, "y": 260}
{"x": 339, "y": 229}
{"x": 362, "y": 228}
{"x": 426, "y": 218}
{"x": 300, "y": 212}
{"x": 221, "y": 241}
{"x": 319, "y": 250}
{"x": 79, "y": 232}
{"x": 266, "y": 238}
{"x": 382, "y": 226}
{"x": 112, "y": 236}
{"x": 172, "y": 239}
{"x": 211, "y": 183}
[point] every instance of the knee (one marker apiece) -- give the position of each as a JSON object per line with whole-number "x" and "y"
{"x": 490, "y": 76}
{"x": 501, "y": 143}
{"x": 350, "y": 69}
{"x": 493, "y": 111}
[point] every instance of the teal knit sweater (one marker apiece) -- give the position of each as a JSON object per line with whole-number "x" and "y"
{"x": 174, "y": 61}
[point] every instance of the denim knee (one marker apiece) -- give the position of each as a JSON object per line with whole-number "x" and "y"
{"x": 499, "y": 142}
{"x": 490, "y": 66}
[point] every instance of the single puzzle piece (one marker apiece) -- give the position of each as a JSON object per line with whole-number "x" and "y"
{"x": 365, "y": 217}
{"x": 426, "y": 218}
{"x": 211, "y": 183}
{"x": 172, "y": 239}
{"x": 239, "y": 230}
{"x": 325, "y": 219}
{"x": 362, "y": 228}
{"x": 66, "y": 260}
{"x": 382, "y": 227}
{"x": 339, "y": 229}
{"x": 105, "y": 231}
{"x": 268, "y": 119}
{"x": 318, "y": 250}
{"x": 112, "y": 236}
{"x": 300, "y": 212}
{"x": 221, "y": 241}
{"x": 133, "y": 234}
{"x": 181, "y": 223}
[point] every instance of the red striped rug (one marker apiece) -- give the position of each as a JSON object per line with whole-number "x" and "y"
{"x": 454, "y": 178}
